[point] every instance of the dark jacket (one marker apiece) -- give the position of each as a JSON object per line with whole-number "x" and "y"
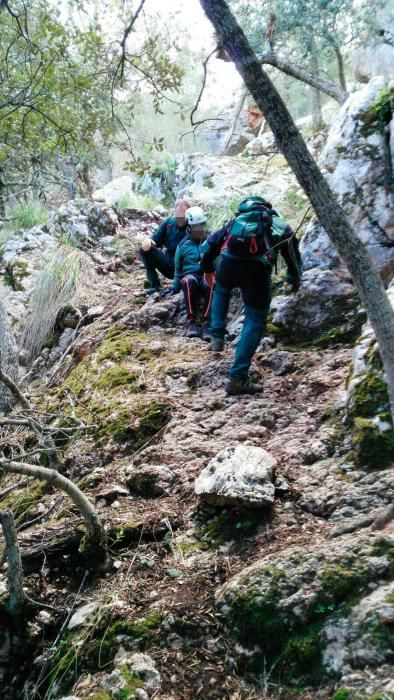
{"x": 187, "y": 260}
{"x": 168, "y": 235}
{"x": 284, "y": 242}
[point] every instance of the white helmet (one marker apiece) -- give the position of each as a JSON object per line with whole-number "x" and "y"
{"x": 195, "y": 215}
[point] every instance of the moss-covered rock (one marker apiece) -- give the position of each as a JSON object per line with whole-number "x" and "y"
{"x": 373, "y": 443}
{"x": 281, "y": 605}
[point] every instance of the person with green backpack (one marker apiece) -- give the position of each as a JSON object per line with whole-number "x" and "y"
{"x": 248, "y": 247}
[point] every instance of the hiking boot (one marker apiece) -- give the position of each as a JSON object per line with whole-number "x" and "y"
{"x": 205, "y": 333}
{"x": 191, "y": 330}
{"x": 152, "y": 290}
{"x": 242, "y": 385}
{"x": 216, "y": 345}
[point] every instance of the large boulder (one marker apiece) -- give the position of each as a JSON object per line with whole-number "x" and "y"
{"x": 311, "y": 613}
{"x": 239, "y": 475}
{"x": 324, "y": 301}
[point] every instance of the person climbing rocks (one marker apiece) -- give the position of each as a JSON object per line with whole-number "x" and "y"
{"x": 248, "y": 245}
{"x": 158, "y": 252}
{"x": 189, "y": 276}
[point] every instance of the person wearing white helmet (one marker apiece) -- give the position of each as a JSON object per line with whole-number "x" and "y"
{"x": 157, "y": 253}
{"x": 189, "y": 276}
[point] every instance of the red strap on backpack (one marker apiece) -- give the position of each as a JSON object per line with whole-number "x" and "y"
{"x": 253, "y": 249}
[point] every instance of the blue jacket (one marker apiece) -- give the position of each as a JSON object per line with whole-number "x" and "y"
{"x": 187, "y": 260}
{"x": 168, "y": 235}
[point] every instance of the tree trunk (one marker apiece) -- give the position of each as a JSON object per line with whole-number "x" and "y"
{"x": 317, "y": 116}
{"x": 15, "y": 571}
{"x": 326, "y": 86}
{"x": 323, "y": 200}
{"x": 237, "y": 112}
{"x": 9, "y": 358}
{"x": 96, "y": 540}
{"x": 340, "y": 64}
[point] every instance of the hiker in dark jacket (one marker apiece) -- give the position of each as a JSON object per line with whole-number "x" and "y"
{"x": 157, "y": 253}
{"x": 249, "y": 246}
{"x": 189, "y": 276}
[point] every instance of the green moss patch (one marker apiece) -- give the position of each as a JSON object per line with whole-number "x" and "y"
{"x": 21, "y": 502}
{"x": 372, "y": 448}
{"x": 135, "y": 424}
{"x": 115, "y": 377}
{"x": 102, "y": 650}
{"x": 117, "y": 345}
{"x": 370, "y": 395}
{"x": 379, "y": 113}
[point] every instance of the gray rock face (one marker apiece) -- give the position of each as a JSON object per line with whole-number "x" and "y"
{"x": 239, "y": 475}
{"x": 317, "y": 250}
{"x": 323, "y": 300}
{"x": 354, "y": 157}
{"x": 356, "y": 165}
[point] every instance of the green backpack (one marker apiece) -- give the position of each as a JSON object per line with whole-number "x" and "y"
{"x": 249, "y": 234}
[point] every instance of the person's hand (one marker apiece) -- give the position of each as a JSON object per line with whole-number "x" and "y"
{"x": 291, "y": 287}
{"x": 209, "y": 277}
{"x": 147, "y": 244}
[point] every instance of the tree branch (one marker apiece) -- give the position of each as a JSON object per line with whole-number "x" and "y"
{"x": 299, "y": 73}
{"x": 96, "y": 539}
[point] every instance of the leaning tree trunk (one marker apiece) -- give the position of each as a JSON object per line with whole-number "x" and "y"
{"x": 293, "y": 147}
{"x": 9, "y": 358}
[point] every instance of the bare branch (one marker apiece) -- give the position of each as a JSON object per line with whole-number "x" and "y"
{"x": 195, "y": 108}
{"x": 96, "y": 540}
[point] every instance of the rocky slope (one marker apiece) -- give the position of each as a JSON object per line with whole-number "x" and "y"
{"x": 276, "y": 584}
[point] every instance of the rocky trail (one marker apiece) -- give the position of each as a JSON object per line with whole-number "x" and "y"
{"x": 157, "y": 412}
{"x": 250, "y": 539}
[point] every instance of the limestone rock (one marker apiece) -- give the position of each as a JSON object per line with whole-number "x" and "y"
{"x": 262, "y": 145}
{"x": 317, "y": 250}
{"x": 239, "y": 475}
{"x": 81, "y": 219}
{"x": 141, "y": 666}
{"x": 81, "y": 616}
{"x": 150, "y": 479}
{"x": 110, "y": 491}
{"x": 354, "y": 158}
